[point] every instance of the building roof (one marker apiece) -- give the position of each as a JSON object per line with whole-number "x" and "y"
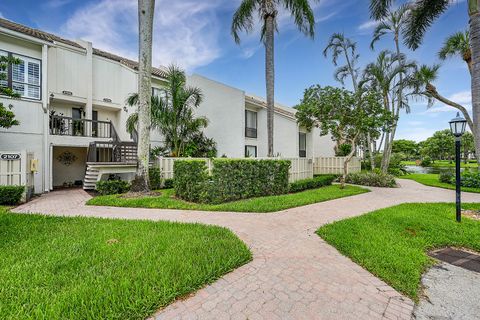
{"x": 49, "y": 37}
{"x": 289, "y": 112}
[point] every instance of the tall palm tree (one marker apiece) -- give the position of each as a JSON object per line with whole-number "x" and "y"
{"x": 145, "y": 19}
{"x": 341, "y": 46}
{"x": 383, "y": 76}
{"x": 172, "y": 112}
{"x": 267, "y": 11}
{"x": 458, "y": 44}
{"x": 423, "y": 14}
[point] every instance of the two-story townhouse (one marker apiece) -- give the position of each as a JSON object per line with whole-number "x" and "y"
{"x": 72, "y": 107}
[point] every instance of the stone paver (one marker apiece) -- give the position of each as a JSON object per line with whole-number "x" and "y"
{"x": 294, "y": 273}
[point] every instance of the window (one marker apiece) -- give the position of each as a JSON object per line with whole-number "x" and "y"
{"x": 250, "y": 124}
{"x": 302, "y": 145}
{"x": 250, "y": 151}
{"x": 23, "y": 77}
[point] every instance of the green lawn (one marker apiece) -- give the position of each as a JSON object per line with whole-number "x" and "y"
{"x": 87, "y": 268}
{"x": 392, "y": 243}
{"x": 262, "y": 204}
{"x": 431, "y": 179}
{"x": 443, "y": 163}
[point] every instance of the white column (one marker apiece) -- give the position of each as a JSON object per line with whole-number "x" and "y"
{"x": 46, "y": 130}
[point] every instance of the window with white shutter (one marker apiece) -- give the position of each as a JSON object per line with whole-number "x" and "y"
{"x": 23, "y": 77}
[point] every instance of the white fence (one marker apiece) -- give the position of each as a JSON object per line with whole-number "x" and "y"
{"x": 301, "y": 168}
{"x": 16, "y": 170}
{"x": 334, "y": 165}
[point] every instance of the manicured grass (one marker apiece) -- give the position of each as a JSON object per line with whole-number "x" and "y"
{"x": 431, "y": 179}
{"x": 443, "y": 163}
{"x": 392, "y": 243}
{"x": 166, "y": 200}
{"x": 86, "y": 268}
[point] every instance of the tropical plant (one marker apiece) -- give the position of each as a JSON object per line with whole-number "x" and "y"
{"x": 267, "y": 10}
{"x": 172, "y": 112}
{"x": 408, "y": 147}
{"x": 458, "y": 44}
{"x": 145, "y": 31}
{"x": 343, "y": 114}
{"x": 7, "y": 117}
{"x": 423, "y": 13}
{"x": 386, "y": 76}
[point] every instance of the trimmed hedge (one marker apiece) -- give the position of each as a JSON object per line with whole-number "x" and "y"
{"x": 155, "y": 178}
{"x": 372, "y": 179}
{"x": 107, "y": 187}
{"x": 470, "y": 179}
{"x": 231, "y": 179}
{"x": 446, "y": 176}
{"x": 11, "y": 195}
{"x": 191, "y": 179}
{"x": 313, "y": 183}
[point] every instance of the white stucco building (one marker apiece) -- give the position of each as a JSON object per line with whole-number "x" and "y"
{"x": 73, "y": 95}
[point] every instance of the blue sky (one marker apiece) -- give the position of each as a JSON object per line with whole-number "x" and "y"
{"x": 196, "y": 35}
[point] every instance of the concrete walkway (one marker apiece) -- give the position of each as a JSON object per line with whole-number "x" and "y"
{"x": 294, "y": 273}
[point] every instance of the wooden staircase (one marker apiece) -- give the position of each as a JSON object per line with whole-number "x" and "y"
{"x": 91, "y": 177}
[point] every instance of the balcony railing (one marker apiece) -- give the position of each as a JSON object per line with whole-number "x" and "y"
{"x": 66, "y": 126}
{"x": 113, "y": 151}
{"x": 250, "y": 132}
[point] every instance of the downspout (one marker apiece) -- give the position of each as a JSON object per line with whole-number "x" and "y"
{"x": 45, "y": 105}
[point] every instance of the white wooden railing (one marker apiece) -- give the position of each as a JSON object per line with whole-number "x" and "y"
{"x": 301, "y": 168}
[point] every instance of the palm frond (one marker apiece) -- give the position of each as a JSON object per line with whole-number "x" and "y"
{"x": 243, "y": 18}
{"x": 379, "y": 8}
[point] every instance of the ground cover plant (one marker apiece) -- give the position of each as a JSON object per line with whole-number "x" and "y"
{"x": 87, "y": 268}
{"x": 167, "y": 200}
{"x": 392, "y": 243}
{"x": 372, "y": 179}
{"x": 433, "y": 180}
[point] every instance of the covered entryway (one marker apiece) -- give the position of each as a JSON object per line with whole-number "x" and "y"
{"x": 68, "y": 165}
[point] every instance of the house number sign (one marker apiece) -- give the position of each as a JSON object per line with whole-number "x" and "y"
{"x": 10, "y": 156}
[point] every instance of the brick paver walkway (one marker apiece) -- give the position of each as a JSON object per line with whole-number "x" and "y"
{"x": 294, "y": 273}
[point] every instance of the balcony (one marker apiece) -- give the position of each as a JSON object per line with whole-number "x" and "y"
{"x": 66, "y": 126}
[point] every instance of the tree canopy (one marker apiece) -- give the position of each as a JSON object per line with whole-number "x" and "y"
{"x": 7, "y": 117}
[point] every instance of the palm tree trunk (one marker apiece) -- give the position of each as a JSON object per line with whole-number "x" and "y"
{"x": 370, "y": 152}
{"x": 474, "y": 6}
{"x": 145, "y": 19}
{"x": 270, "y": 78}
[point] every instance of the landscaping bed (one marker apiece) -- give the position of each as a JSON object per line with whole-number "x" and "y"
{"x": 87, "y": 268}
{"x": 392, "y": 243}
{"x": 167, "y": 200}
{"x": 432, "y": 180}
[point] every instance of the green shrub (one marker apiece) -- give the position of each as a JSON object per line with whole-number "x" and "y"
{"x": 313, "y": 183}
{"x": 470, "y": 179}
{"x": 231, "y": 179}
{"x": 446, "y": 176}
{"x": 11, "y": 195}
{"x": 372, "y": 179}
{"x": 191, "y": 179}
{"x": 106, "y": 187}
{"x": 167, "y": 184}
{"x": 426, "y": 162}
{"x": 344, "y": 150}
{"x": 155, "y": 178}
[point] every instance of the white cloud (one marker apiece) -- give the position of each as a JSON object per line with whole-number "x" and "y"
{"x": 1, "y": 15}
{"x": 56, "y": 3}
{"x": 185, "y": 32}
{"x": 463, "y": 97}
{"x": 416, "y": 134}
{"x": 368, "y": 25}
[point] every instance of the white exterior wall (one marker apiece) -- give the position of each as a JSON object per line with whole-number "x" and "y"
{"x": 224, "y": 107}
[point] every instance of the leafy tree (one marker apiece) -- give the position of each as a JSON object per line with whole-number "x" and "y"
{"x": 267, "y": 11}
{"x": 440, "y": 146}
{"x": 145, "y": 33}
{"x": 458, "y": 44}
{"x": 172, "y": 114}
{"x": 468, "y": 145}
{"x": 408, "y": 147}
{"x": 386, "y": 76}
{"x": 343, "y": 114}
{"x": 7, "y": 117}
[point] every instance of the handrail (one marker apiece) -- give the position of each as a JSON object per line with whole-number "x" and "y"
{"x": 68, "y": 126}
{"x": 112, "y": 151}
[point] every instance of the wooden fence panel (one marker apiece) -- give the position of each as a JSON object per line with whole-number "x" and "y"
{"x": 334, "y": 165}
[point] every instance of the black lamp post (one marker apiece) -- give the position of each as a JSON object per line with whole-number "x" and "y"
{"x": 457, "y": 126}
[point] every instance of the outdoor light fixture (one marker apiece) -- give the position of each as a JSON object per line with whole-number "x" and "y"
{"x": 457, "y": 126}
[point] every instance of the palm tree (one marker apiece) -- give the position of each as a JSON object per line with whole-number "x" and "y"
{"x": 145, "y": 18}
{"x": 383, "y": 76}
{"x": 423, "y": 14}
{"x": 172, "y": 112}
{"x": 267, "y": 10}
{"x": 338, "y": 46}
{"x": 458, "y": 44}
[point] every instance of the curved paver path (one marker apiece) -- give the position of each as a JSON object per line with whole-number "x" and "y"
{"x": 294, "y": 273}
